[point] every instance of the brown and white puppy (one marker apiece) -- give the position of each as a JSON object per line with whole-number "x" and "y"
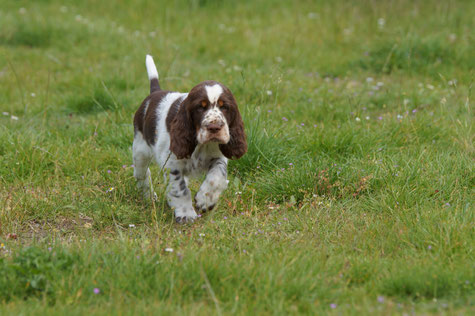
{"x": 189, "y": 134}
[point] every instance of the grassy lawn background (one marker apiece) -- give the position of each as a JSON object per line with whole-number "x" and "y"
{"x": 356, "y": 195}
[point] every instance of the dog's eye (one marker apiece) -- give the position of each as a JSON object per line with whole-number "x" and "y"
{"x": 222, "y": 105}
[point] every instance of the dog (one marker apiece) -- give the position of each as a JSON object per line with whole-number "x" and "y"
{"x": 188, "y": 134}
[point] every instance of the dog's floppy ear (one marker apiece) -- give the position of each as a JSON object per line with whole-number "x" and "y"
{"x": 182, "y": 133}
{"x": 237, "y": 145}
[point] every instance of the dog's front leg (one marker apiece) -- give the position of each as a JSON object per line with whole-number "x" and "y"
{"x": 214, "y": 184}
{"x": 179, "y": 198}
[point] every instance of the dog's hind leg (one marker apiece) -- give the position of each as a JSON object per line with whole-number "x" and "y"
{"x": 142, "y": 156}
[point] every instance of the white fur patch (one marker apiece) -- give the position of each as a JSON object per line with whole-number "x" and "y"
{"x": 146, "y": 108}
{"x": 151, "y": 69}
{"x": 214, "y": 92}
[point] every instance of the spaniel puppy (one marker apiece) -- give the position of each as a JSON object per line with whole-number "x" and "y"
{"x": 188, "y": 134}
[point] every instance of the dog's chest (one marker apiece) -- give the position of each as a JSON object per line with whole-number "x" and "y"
{"x": 201, "y": 159}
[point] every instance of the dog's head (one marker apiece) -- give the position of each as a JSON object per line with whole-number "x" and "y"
{"x": 208, "y": 114}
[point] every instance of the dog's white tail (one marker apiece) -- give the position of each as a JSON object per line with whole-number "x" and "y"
{"x": 152, "y": 74}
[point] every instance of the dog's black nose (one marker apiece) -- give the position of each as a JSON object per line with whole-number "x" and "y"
{"x": 214, "y": 127}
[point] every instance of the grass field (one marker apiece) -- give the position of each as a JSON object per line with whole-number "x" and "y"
{"x": 355, "y": 197}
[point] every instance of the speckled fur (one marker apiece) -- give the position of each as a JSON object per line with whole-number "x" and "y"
{"x": 189, "y": 134}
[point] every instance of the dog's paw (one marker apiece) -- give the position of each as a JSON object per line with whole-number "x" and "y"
{"x": 203, "y": 208}
{"x": 183, "y": 216}
{"x": 205, "y": 202}
{"x": 184, "y": 219}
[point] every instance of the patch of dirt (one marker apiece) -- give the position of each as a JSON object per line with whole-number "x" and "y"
{"x": 64, "y": 226}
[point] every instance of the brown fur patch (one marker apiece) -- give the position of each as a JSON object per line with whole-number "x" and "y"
{"x": 145, "y": 119}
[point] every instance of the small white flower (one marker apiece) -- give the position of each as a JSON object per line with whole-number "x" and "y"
{"x": 452, "y": 37}
{"x": 169, "y": 249}
{"x": 357, "y": 119}
{"x": 131, "y": 225}
{"x": 278, "y": 59}
{"x": 5, "y": 113}
{"x": 381, "y": 23}
{"x": 110, "y": 189}
{"x": 312, "y": 15}
{"x": 33, "y": 94}
{"x": 430, "y": 87}
{"x": 222, "y": 62}
{"x": 347, "y": 31}
{"x": 367, "y": 118}
{"x": 380, "y": 84}
{"x": 237, "y": 68}
{"x": 369, "y": 79}
{"x": 13, "y": 117}
{"x": 399, "y": 117}
{"x": 406, "y": 101}
{"x": 202, "y": 235}
{"x": 269, "y": 92}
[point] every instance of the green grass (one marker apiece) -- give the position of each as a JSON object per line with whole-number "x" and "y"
{"x": 355, "y": 197}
